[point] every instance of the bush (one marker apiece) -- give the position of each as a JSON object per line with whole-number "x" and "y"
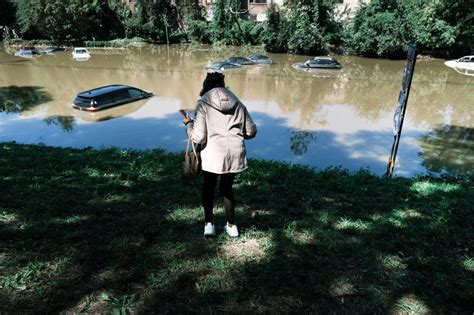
{"x": 383, "y": 28}
{"x": 198, "y": 31}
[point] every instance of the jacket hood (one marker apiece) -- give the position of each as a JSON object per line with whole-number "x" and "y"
{"x": 221, "y": 99}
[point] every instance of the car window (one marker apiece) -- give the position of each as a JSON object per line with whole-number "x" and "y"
{"x": 119, "y": 95}
{"x": 135, "y": 93}
{"x": 103, "y": 99}
{"x": 82, "y": 101}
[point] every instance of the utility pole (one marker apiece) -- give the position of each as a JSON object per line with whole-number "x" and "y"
{"x": 399, "y": 115}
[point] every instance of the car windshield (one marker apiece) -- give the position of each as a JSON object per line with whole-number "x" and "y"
{"x": 81, "y": 51}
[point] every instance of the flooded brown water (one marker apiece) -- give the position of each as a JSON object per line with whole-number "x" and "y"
{"x": 322, "y": 119}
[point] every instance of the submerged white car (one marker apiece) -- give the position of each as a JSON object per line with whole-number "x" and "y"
{"x": 80, "y": 53}
{"x": 466, "y": 63}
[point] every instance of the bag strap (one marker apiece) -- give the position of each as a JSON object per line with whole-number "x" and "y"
{"x": 192, "y": 145}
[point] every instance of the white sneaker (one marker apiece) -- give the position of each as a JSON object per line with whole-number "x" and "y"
{"x": 231, "y": 231}
{"x": 209, "y": 229}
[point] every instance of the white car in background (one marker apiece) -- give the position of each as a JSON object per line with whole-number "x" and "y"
{"x": 80, "y": 53}
{"x": 464, "y": 65}
{"x": 466, "y": 62}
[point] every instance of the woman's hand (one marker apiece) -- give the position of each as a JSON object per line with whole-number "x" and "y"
{"x": 187, "y": 120}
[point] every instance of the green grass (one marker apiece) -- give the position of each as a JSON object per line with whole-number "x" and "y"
{"x": 114, "y": 231}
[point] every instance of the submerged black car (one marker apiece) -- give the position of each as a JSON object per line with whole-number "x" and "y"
{"x": 261, "y": 59}
{"x": 108, "y": 96}
{"x": 52, "y": 50}
{"x": 222, "y": 66}
{"x": 28, "y": 53}
{"x": 319, "y": 63}
{"x": 242, "y": 61}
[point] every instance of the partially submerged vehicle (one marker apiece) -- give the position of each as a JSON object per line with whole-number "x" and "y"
{"x": 108, "y": 96}
{"x": 318, "y": 63}
{"x": 222, "y": 66}
{"x": 241, "y": 61}
{"x": 52, "y": 50}
{"x": 28, "y": 52}
{"x": 80, "y": 53}
{"x": 465, "y": 63}
{"x": 261, "y": 59}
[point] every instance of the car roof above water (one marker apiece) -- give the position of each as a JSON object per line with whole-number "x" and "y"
{"x": 102, "y": 90}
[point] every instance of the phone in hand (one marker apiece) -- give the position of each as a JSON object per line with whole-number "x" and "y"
{"x": 183, "y": 113}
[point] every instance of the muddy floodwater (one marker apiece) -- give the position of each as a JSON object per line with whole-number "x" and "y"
{"x": 323, "y": 118}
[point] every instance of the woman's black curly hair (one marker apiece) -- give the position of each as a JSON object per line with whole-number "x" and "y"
{"x": 212, "y": 80}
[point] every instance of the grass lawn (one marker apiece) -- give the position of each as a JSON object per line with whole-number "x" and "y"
{"x": 119, "y": 231}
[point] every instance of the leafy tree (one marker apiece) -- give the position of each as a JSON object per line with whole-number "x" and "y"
{"x": 29, "y": 14}
{"x": 385, "y": 27}
{"x": 7, "y": 18}
{"x": 305, "y": 26}
{"x": 305, "y": 35}
{"x": 377, "y": 30}
{"x": 67, "y": 20}
{"x": 191, "y": 19}
{"x": 274, "y": 34}
{"x": 226, "y": 24}
{"x": 153, "y": 19}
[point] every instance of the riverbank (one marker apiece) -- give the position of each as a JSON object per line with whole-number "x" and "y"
{"x": 15, "y": 44}
{"x": 112, "y": 230}
{"x": 42, "y": 43}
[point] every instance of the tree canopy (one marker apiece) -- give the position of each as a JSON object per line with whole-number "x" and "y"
{"x": 385, "y": 27}
{"x": 379, "y": 28}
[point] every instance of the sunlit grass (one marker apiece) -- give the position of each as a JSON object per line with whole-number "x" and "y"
{"x": 75, "y": 218}
{"x": 25, "y": 278}
{"x": 7, "y": 217}
{"x": 341, "y": 287}
{"x": 410, "y": 304}
{"x": 426, "y": 188}
{"x": 468, "y": 263}
{"x": 392, "y": 262}
{"x": 349, "y": 224}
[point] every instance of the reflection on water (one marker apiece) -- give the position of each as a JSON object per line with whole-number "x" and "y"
{"x": 320, "y": 118}
{"x": 448, "y": 149}
{"x": 300, "y": 141}
{"x": 110, "y": 113}
{"x": 15, "y": 99}
{"x": 65, "y": 122}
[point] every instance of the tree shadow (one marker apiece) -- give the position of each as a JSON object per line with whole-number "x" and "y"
{"x": 16, "y": 99}
{"x": 65, "y": 122}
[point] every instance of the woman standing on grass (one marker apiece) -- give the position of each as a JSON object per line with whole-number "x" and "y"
{"x": 220, "y": 125}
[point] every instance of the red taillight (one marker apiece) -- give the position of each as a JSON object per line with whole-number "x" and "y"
{"x": 91, "y": 109}
{"x": 75, "y": 106}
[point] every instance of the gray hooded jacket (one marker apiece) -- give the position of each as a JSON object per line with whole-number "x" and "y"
{"x": 221, "y": 124}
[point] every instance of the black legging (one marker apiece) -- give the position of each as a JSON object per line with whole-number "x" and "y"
{"x": 225, "y": 188}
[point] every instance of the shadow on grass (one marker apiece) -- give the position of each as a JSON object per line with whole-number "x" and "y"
{"x": 111, "y": 230}
{"x": 16, "y": 99}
